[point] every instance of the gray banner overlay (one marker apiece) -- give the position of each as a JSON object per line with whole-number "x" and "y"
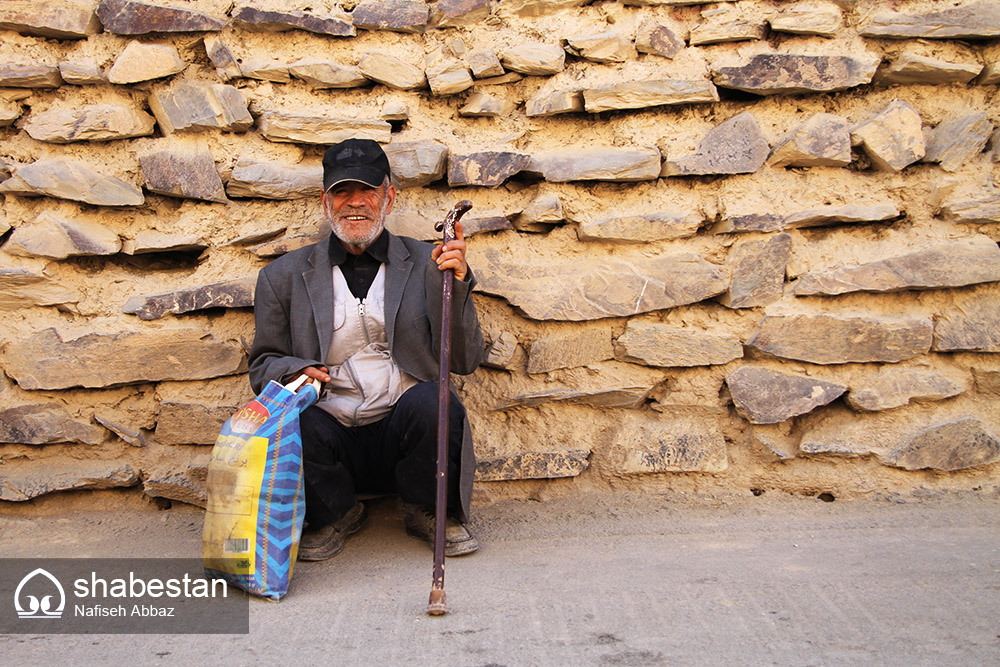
{"x": 117, "y": 596}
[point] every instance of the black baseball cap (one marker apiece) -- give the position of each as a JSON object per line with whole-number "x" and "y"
{"x": 361, "y": 160}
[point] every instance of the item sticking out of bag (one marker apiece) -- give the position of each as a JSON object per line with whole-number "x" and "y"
{"x": 256, "y": 499}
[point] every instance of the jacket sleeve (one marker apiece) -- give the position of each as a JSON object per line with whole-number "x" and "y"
{"x": 271, "y": 357}
{"x": 467, "y": 347}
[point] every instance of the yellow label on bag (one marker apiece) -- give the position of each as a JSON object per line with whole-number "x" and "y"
{"x": 235, "y": 473}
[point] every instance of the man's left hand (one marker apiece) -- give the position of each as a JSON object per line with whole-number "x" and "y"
{"x": 452, "y": 254}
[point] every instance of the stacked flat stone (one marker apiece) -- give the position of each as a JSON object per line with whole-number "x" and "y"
{"x": 692, "y": 219}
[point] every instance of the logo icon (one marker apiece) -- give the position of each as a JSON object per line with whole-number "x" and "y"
{"x": 38, "y": 605}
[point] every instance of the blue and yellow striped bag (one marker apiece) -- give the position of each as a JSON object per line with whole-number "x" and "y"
{"x": 256, "y": 499}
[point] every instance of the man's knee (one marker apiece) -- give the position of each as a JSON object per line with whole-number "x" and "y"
{"x": 420, "y": 404}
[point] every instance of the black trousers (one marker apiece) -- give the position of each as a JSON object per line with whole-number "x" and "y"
{"x": 395, "y": 454}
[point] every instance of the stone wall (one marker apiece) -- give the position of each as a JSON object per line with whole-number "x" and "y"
{"x": 720, "y": 246}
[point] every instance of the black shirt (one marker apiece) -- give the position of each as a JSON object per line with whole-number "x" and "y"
{"x": 360, "y": 270}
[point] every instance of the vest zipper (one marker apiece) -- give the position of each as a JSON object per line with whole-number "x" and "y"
{"x": 349, "y": 365}
{"x": 364, "y": 322}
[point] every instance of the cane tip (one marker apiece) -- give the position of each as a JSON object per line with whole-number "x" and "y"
{"x": 436, "y": 606}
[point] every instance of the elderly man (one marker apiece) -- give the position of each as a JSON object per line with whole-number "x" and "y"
{"x": 360, "y": 311}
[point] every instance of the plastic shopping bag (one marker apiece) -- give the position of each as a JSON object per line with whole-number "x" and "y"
{"x": 256, "y": 500}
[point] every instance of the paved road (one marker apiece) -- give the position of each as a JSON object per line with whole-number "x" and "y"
{"x": 774, "y": 580}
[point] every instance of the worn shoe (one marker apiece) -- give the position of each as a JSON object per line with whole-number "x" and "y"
{"x": 328, "y": 541}
{"x": 419, "y": 521}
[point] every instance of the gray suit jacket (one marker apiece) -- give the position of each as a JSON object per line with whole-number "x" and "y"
{"x": 293, "y": 314}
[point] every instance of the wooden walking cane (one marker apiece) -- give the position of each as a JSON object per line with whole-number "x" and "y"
{"x": 436, "y": 606}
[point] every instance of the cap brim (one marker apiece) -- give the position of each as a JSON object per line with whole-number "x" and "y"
{"x": 367, "y": 175}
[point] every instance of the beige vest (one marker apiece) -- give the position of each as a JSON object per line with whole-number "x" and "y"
{"x": 366, "y": 381}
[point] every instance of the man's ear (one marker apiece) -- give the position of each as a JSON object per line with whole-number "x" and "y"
{"x": 390, "y": 198}
{"x": 322, "y": 199}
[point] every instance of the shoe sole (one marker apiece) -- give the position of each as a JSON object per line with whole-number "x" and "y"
{"x": 323, "y": 555}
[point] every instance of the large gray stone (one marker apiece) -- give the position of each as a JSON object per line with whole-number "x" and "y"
{"x": 446, "y": 75}
{"x": 501, "y": 351}
{"x": 961, "y": 443}
{"x": 183, "y": 483}
{"x": 332, "y": 25}
{"x": 396, "y": 15}
{"x": 532, "y": 465}
{"x": 488, "y": 168}
{"x": 750, "y": 222}
{"x": 534, "y": 58}
{"x": 274, "y": 180}
{"x": 596, "y": 164}
{"x": 24, "y": 480}
{"x": 763, "y": 396}
{"x": 835, "y": 339}
{"x": 737, "y": 146}
{"x": 20, "y": 288}
{"x": 976, "y": 20}
{"x": 103, "y": 122}
{"x": 191, "y": 423}
{"x": 971, "y": 323}
{"x": 484, "y": 64}
{"x": 570, "y": 350}
{"x": 644, "y": 94}
{"x": 54, "y": 18}
{"x": 44, "y": 424}
{"x": 322, "y": 74}
{"x": 658, "y": 39}
{"x": 198, "y": 107}
{"x": 129, "y": 17}
{"x": 626, "y": 398}
{"x": 893, "y": 139}
{"x": 785, "y": 74}
{"x": 541, "y": 213}
{"x": 643, "y": 228}
{"x": 99, "y": 360}
{"x": 603, "y": 47}
{"x": 459, "y": 13}
{"x": 265, "y": 69}
{"x": 185, "y": 173}
{"x": 910, "y": 68}
{"x": 81, "y": 73}
{"x": 729, "y": 27}
{"x": 226, "y": 65}
{"x": 228, "y": 294}
{"x": 554, "y": 103}
{"x": 663, "y": 445}
{"x": 758, "y": 271}
{"x": 71, "y": 180}
{"x": 895, "y": 387}
{"x": 417, "y": 163}
{"x": 16, "y": 75}
{"x": 53, "y": 236}
{"x": 824, "y": 20}
{"x": 391, "y": 71}
{"x": 130, "y": 435}
{"x": 954, "y": 141}
{"x": 851, "y": 214}
{"x": 145, "y": 62}
{"x": 981, "y": 209}
{"x": 151, "y": 241}
{"x": 578, "y": 289}
{"x": 655, "y": 344}
{"x": 953, "y": 264}
{"x": 305, "y": 128}
{"x": 484, "y": 105}
{"x": 824, "y": 140}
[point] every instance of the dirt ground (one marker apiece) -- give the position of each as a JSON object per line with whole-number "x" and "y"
{"x": 600, "y": 579}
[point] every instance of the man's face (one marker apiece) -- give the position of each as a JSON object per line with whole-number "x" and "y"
{"x": 357, "y": 212}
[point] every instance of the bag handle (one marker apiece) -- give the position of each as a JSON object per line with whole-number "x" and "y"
{"x": 298, "y": 382}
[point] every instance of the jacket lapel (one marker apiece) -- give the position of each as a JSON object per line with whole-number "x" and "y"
{"x": 396, "y": 275}
{"x": 319, "y": 287}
